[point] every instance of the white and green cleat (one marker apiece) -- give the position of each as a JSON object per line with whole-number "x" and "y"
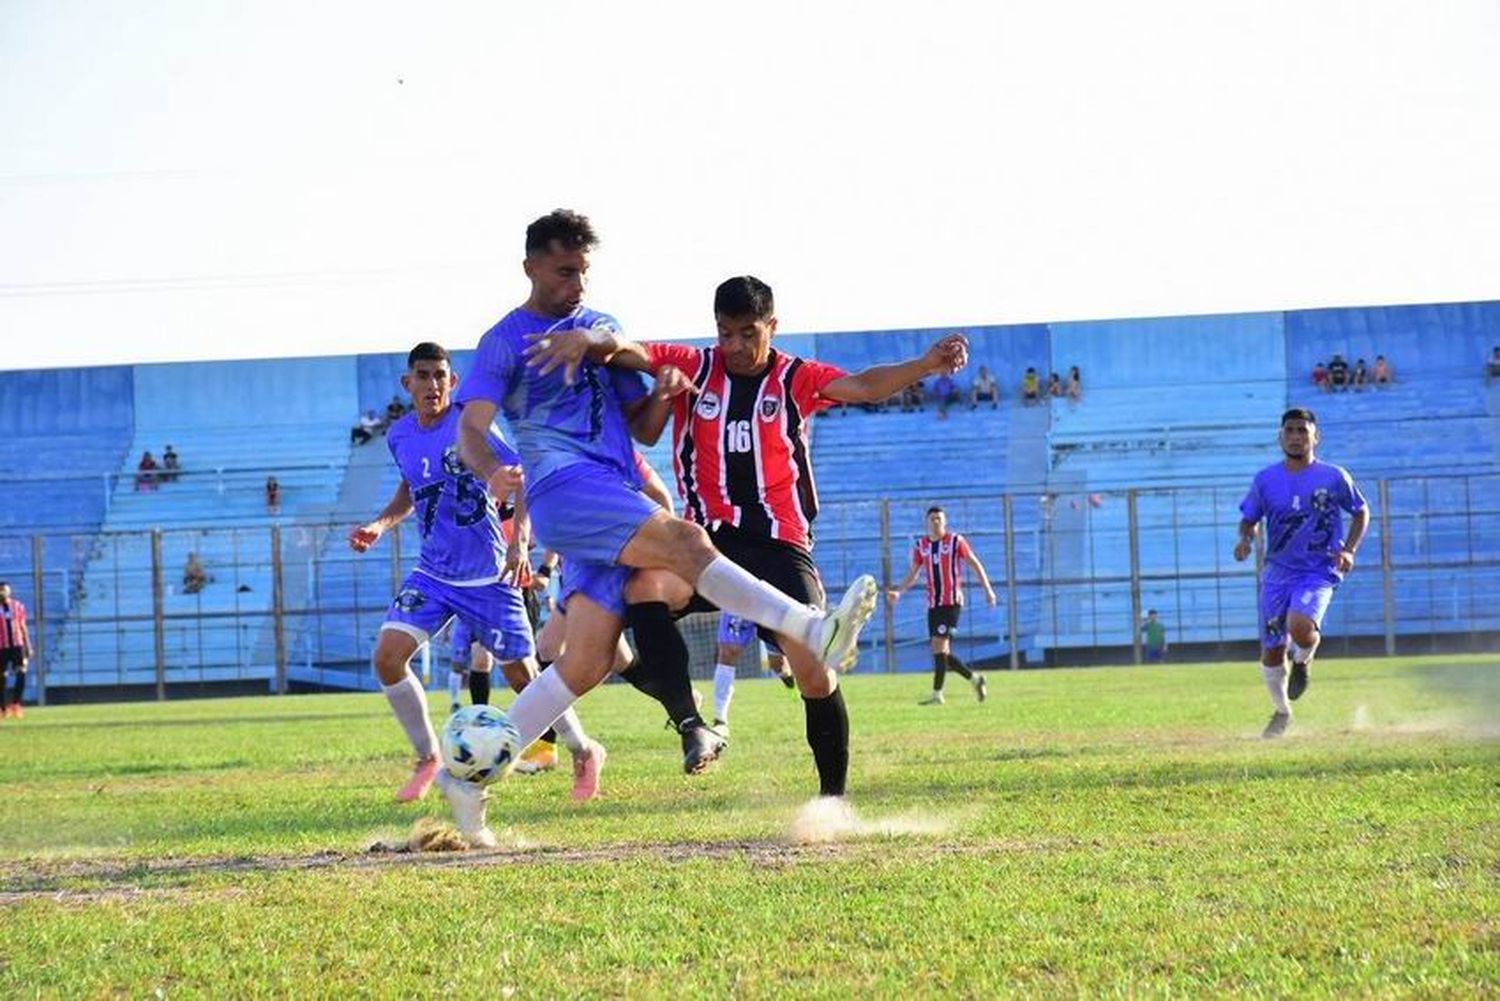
{"x": 841, "y": 627}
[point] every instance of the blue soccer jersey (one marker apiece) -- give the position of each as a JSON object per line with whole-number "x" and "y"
{"x": 458, "y": 520}
{"x": 555, "y": 425}
{"x": 1304, "y": 515}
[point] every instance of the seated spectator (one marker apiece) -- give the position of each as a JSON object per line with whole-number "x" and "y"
{"x": 914, "y": 397}
{"x": 945, "y": 391}
{"x": 984, "y": 388}
{"x": 1492, "y": 366}
{"x": 273, "y": 495}
{"x": 1054, "y": 385}
{"x": 394, "y": 411}
{"x": 1361, "y": 375}
{"x": 365, "y": 429}
{"x": 1384, "y": 375}
{"x": 1320, "y": 377}
{"x": 169, "y": 464}
{"x": 1338, "y": 374}
{"x": 194, "y": 577}
{"x": 1075, "y": 384}
{"x": 1031, "y": 390}
{"x": 145, "y": 475}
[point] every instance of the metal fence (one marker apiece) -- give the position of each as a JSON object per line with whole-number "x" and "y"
{"x": 289, "y": 605}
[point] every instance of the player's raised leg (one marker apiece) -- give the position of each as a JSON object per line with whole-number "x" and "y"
{"x": 393, "y": 653}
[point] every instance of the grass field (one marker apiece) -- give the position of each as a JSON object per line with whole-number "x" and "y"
{"x": 1100, "y": 831}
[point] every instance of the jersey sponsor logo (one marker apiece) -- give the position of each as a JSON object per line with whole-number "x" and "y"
{"x": 770, "y": 406}
{"x": 708, "y": 406}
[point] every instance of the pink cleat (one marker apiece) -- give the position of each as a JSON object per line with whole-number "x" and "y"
{"x": 421, "y": 780}
{"x": 586, "y": 768}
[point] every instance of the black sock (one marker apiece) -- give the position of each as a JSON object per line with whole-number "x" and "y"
{"x": 20, "y": 689}
{"x": 828, "y": 736}
{"x": 939, "y": 668}
{"x": 479, "y": 688}
{"x": 661, "y": 670}
{"x": 957, "y": 667}
{"x": 550, "y": 737}
{"x": 4, "y": 694}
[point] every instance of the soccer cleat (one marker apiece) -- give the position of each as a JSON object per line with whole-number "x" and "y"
{"x": 788, "y": 680}
{"x": 539, "y": 757}
{"x": 421, "y": 780}
{"x": 935, "y": 699}
{"x": 1277, "y": 726}
{"x": 701, "y": 746}
{"x": 720, "y": 726}
{"x": 467, "y": 801}
{"x": 840, "y": 639}
{"x": 1296, "y": 682}
{"x": 587, "y": 765}
{"x": 981, "y": 688}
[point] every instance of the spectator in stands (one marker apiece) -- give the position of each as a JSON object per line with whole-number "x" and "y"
{"x": 1384, "y": 375}
{"x": 15, "y": 651}
{"x": 394, "y": 411}
{"x": 984, "y": 388}
{"x": 145, "y": 472}
{"x": 1054, "y": 385}
{"x": 1338, "y": 374}
{"x": 1153, "y": 638}
{"x": 170, "y": 464}
{"x": 1031, "y": 390}
{"x": 1492, "y": 366}
{"x": 945, "y": 391}
{"x": 1075, "y": 384}
{"x": 1361, "y": 376}
{"x": 1320, "y": 377}
{"x": 365, "y": 429}
{"x": 273, "y": 496}
{"x": 194, "y": 577}
{"x": 914, "y": 397}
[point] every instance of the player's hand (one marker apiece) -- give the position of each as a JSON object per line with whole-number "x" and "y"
{"x": 363, "y": 537}
{"x": 565, "y": 349}
{"x": 990, "y": 597}
{"x": 503, "y": 482}
{"x": 892, "y": 595}
{"x": 1343, "y": 560}
{"x": 515, "y": 558}
{"x": 671, "y": 381}
{"x": 1241, "y": 550}
{"x": 949, "y": 354}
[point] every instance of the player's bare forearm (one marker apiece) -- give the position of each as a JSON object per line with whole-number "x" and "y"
{"x": 397, "y": 510}
{"x": 1358, "y": 525}
{"x": 879, "y": 382}
{"x": 648, "y": 418}
{"x": 984, "y": 578}
{"x": 473, "y": 442}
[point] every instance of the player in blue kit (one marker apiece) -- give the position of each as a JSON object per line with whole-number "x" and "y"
{"x": 586, "y": 500}
{"x": 1302, "y": 502}
{"x": 462, "y": 658}
{"x": 468, "y": 569}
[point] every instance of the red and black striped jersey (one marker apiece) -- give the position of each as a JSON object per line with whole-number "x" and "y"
{"x": 942, "y": 562}
{"x": 739, "y": 443}
{"x": 13, "y": 631}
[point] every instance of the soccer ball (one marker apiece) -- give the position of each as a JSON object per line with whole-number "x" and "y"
{"x": 480, "y": 744}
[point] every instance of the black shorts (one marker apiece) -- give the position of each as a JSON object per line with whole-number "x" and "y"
{"x": 942, "y": 620}
{"x": 12, "y": 658}
{"x": 783, "y": 566}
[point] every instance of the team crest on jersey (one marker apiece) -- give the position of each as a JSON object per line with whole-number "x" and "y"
{"x": 452, "y": 464}
{"x": 409, "y": 599}
{"x": 708, "y": 406}
{"x": 1322, "y": 500}
{"x": 770, "y": 406}
{"x": 1275, "y": 626}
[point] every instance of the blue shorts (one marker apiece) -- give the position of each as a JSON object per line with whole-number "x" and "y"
{"x": 735, "y": 631}
{"x": 494, "y": 614}
{"x": 1305, "y": 594}
{"x": 462, "y": 639}
{"x": 588, "y": 513}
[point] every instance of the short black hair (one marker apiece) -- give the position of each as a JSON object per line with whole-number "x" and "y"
{"x": 744, "y": 295}
{"x": 572, "y": 230}
{"x": 1298, "y": 414}
{"x": 1150, "y": 611}
{"x": 427, "y": 351}
{"x": 935, "y": 509}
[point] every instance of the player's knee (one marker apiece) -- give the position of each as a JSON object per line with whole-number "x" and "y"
{"x": 1305, "y": 632}
{"x": 692, "y": 550}
{"x": 390, "y": 665}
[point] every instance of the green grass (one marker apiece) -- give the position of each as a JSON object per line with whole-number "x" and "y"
{"x": 1103, "y": 831}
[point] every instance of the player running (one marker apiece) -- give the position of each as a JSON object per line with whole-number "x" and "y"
{"x": 1307, "y": 555}
{"x": 585, "y": 497}
{"x": 466, "y": 654}
{"x": 938, "y": 558}
{"x": 467, "y": 569}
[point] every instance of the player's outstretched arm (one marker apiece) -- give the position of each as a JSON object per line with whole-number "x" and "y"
{"x": 364, "y": 536}
{"x": 474, "y": 448}
{"x": 880, "y": 382}
{"x": 567, "y": 349}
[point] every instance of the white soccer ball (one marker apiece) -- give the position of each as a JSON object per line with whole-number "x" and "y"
{"x": 480, "y": 744}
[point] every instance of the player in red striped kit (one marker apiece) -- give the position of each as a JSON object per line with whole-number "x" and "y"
{"x": 938, "y": 558}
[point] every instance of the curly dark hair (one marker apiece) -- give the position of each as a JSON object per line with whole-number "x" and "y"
{"x": 570, "y": 230}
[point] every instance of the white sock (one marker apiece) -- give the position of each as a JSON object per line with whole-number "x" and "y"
{"x": 539, "y": 705}
{"x": 723, "y": 690}
{"x": 571, "y": 731}
{"x": 1294, "y": 653}
{"x": 409, "y": 703}
{"x": 1275, "y": 678}
{"x": 736, "y": 591}
{"x": 455, "y": 685}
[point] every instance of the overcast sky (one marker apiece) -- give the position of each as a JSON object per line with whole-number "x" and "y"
{"x": 226, "y": 179}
